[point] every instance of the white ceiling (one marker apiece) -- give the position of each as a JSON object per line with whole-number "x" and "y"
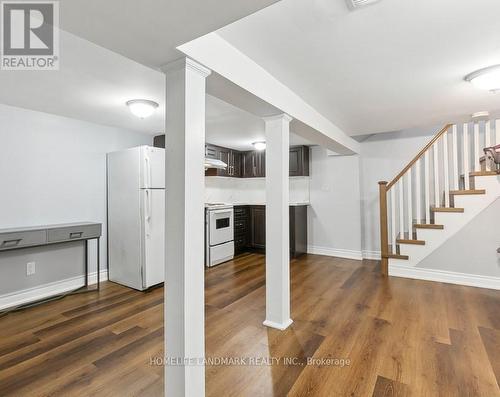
{"x": 148, "y": 31}
{"x": 94, "y": 83}
{"x": 232, "y": 127}
{"x": 393, "y": 65}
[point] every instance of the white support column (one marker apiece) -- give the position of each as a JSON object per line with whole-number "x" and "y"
{"x": 184, "y": 231}
{"x": 277, "y": 222}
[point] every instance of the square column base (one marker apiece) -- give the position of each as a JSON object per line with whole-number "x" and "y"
{"x": 280, "y": 326}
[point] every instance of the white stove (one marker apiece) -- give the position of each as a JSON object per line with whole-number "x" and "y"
{"x": 219, "y": 233}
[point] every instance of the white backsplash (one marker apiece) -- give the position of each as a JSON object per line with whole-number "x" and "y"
{"x": 250, "y": 190}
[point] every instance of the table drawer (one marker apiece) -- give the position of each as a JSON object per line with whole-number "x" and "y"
{"x": 74, "y": 233}
{"x": 22, "y": 239}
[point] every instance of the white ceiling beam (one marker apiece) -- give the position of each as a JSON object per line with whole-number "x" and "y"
{"x": 218, "y": 55}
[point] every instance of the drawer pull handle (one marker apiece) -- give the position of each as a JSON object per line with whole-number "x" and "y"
{"x": 75, "y": 235}
{"x": 11, "y": 243}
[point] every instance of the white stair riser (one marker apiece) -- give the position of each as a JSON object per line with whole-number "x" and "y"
{"x": 413, "y": 250}
{"x": 443, "y": 218}
{"x": 491, "y": 183}
{"x": 428, "y": 235}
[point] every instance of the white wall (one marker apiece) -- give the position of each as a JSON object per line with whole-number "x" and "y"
{"x": 250, "y": 190}
{"x": 383, "y": 156}
{"x": 53, "y": 170}
{"x": 334, "y": 214}
{"x": 473, "y": 250}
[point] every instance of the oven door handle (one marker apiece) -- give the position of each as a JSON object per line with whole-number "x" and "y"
{"x": 230, "y": 212}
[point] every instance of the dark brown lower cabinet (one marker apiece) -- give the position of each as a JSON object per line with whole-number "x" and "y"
{"x": 250, "y": 229}
{"x": 298, "y": 230}
{"x": 241, "y": 228}
{"x": 258, "y": 226}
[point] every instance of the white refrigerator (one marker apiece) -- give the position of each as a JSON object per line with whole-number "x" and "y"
{"x": 136, "y": 216}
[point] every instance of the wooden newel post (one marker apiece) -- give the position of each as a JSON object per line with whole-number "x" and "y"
{"x": 384, "y": 234}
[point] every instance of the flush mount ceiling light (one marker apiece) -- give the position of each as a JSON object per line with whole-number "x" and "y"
{"x": 486, "y": 79}
{"x": 353, "y": 4}
{"x": 259, "y": 145}
{"x": 480, "y": 116}
{"x": 142, "y": 108}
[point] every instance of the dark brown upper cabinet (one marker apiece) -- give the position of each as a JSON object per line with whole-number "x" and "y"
{"x": 252, "y": 164}
{"x": 299, "y": 161}
{"x": 229, "y": 156}
{"x": 211, "y": 152}
{"x": 159, "y": 141}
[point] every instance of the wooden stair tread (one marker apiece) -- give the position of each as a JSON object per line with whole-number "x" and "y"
{"x": 428, "y": 226}
{"x": 483, "y": 173}
{"x": 410, "y": 241}
{"x": 467, "y": 192}
{"x": 446, "y": 209}
{"x": 398, "y": 256}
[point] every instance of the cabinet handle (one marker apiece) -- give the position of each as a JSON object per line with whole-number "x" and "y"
{"x": 11, "y": 243}
{"x": 75, "y": 235}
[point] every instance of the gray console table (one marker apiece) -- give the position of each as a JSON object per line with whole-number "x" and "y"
{"x": 27, "y": 237}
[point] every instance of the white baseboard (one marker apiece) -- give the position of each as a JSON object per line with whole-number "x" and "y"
{"x": 471, "y": 280}
{"x": 374, "y": 255}
{"x": 280, "y": 326}
{"x": 39, "y": 292}
{"x": 340, "y": 253}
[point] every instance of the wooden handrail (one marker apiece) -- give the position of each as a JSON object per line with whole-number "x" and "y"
{"x": 418, "y": 156}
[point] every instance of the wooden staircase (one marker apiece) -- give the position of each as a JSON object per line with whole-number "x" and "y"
{"x": 431, "y": 199}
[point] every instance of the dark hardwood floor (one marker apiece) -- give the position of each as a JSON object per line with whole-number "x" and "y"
{"x": 400, "y": 337}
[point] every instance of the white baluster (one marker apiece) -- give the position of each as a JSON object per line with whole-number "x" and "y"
{"x": 446, "y": 173}
{"x": 401, "y": 209}
{"x": 476, "y": 147}
{"x": 466, "y": 156}
{"x": 409, "y": 204}
{"x": 418, "y": 182}
{"x": 455, "y": 169}
{"x": 487, "y": 140}
{"x": 487, "y": 133}
{"x": 427, "y": 188}
{"x": 393, "y": 215}
{"x": 436, "y": 175}
{"x": 497, "y": 132}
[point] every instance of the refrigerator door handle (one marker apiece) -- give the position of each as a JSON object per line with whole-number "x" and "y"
{"x": 148, "y": 172}
{"x": 148, "y": 206}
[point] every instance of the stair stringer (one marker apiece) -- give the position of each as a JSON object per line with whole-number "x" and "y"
{"x": 453, "y": 222}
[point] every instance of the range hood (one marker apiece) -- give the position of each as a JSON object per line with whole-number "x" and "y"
{"x": 214, "y": 163}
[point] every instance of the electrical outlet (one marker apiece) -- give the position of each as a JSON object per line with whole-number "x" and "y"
{"x": 30, "y": 268}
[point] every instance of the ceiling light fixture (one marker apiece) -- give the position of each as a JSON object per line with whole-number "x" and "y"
{"x": 480, "y": 116}
{"x": 259, "y": 145}
{"x": 360, "y": 3}
{"x": 142, "y": 108}
{"x": 486, "y": 79}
